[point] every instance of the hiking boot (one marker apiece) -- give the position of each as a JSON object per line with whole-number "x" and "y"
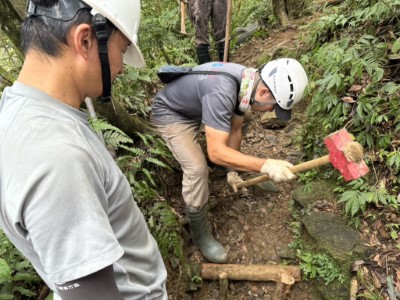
{"x": 203, "y": 54}
{"x": 200, "y": 231}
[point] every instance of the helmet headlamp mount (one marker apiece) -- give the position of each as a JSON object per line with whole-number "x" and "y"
{"x": 62, "y": 10}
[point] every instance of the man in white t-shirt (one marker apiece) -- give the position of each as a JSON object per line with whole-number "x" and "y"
{"x": 64, "y": 202}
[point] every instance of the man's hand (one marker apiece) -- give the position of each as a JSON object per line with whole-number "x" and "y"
{"x": 233, "y": 179}
{"x": 277, "y": 170}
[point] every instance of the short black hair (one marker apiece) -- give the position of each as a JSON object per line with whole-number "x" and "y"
{"x": 47, "y": 35}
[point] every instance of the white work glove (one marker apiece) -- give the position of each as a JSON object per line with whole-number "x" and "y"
{"x": 233, "y": 179}
{"x": 277, "y": 170}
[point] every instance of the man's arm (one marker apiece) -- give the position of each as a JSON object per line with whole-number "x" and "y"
{"x": 236, "y": 134}
{"x": 97, "y": 286}
{"x": 221, "y": 153}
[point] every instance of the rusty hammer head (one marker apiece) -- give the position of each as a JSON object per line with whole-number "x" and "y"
{"x": 346, "y": 155}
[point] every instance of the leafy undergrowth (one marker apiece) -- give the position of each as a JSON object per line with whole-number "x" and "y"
{"x": 353, "y": 58}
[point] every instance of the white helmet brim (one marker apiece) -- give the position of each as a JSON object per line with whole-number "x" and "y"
{"x": 125, "y": 15}
{"x": 133, "y": 57}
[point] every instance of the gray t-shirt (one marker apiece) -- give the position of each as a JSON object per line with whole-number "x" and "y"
{"x": 65, "y": 204}
{"x": 207, "y": 99}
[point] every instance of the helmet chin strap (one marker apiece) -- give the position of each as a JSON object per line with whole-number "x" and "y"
{"x": 253, "y": 93}
{"x": 100, "y": 26}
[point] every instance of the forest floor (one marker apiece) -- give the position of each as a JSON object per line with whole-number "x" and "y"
{"x": 253, "y": 228}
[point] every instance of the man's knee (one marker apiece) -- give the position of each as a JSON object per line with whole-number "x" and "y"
{"x": 200, "y": 171}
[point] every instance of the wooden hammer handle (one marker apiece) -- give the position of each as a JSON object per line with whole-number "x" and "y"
{"x": 305, "y": 166}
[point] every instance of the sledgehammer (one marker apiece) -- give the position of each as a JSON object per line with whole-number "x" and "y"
{"x": 344, "y": 154}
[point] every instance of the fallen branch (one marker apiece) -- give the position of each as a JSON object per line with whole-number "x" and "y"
{"x": 278, "y": 273}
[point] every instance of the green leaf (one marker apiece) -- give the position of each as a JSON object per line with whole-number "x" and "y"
{"x": 396, "y": 46}
{"x": 5, "y": 273}
{"x": 49, "y": 297}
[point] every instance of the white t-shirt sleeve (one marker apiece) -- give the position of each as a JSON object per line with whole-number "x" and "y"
{"x": 66, "y": 214}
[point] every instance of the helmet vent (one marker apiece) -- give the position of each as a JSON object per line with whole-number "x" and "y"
{"x": 291, "y": 90}
{"x": 273, "y": 71}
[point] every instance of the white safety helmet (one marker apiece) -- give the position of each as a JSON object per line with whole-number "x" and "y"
{"x": 125, "y": 15}
{"x": 286, "y": 79}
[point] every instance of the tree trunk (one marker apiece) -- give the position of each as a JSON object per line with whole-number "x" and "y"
{"x": 280, "y": 12}
{"x": 297, "y": 9}
{"x": 10, "y": 22}
{"x": 120, "y": 118}
{"x": 286, "y": 10}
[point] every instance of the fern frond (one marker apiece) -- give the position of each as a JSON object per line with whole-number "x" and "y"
{"x": 134, "y": 150}
{"x": 112, "y": 135}
{"x": 157, "y": 162}
{"x": 166, "y": 231}
{"x": 24, "y": 292}
{"x": 148, "y": 176}
{"x": 29, "y": 278}
{"x": 144, "y": 138}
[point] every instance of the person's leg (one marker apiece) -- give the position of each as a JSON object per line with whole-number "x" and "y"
{"x": 200, "y": 11}
{"x": 181, "y": 139}
{"x": 219, "y": 10}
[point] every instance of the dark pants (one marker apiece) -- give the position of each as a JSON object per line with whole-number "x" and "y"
{"x": 203, "y": 11}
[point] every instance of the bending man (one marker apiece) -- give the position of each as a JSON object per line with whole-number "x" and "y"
{"x": 219, "y": 101}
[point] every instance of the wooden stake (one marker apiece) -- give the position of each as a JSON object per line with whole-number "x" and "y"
{"x": 353, "y": 288}
{"x": 223, "y": 286}
{"x": 278, "y": 291}
{"x": 227, "y": 30}
{"x": 183, "y": 17}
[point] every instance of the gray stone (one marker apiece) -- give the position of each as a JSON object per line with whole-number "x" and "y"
{"x": 334, "y": 236}
{"x": 270, "y": 121}
{"x": 268, "y": 186}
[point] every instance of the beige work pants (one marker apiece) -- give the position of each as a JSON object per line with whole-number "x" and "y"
{"x": 181, "y": 140}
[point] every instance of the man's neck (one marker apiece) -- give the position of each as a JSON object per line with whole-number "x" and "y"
{"x": 51, "y": 76}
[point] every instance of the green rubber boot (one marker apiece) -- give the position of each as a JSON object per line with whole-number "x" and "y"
{"x": 202, "y": 237}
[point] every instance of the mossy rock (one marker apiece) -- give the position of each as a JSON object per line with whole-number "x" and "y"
{"x": 332, "y": 235}
{"x": 307, "y": 195}
{"x": 332, "y": 291}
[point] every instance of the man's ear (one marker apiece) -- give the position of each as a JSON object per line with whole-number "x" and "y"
{"x": 83, "y": 40}
{"x": 264, "y": 91}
